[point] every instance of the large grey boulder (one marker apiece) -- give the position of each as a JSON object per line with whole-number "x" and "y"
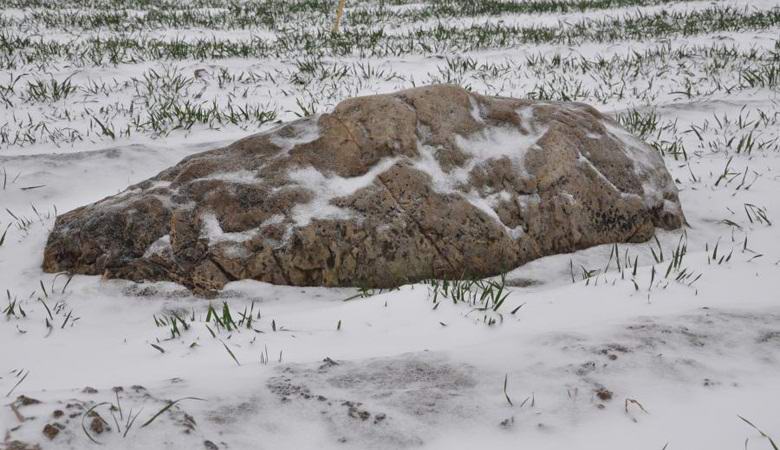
{"x": 387, "y": 189}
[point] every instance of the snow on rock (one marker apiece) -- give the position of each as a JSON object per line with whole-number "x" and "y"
{"x": 386, "y": 189}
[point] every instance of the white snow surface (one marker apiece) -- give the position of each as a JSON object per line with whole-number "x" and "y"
{"x": 683, "y": 360}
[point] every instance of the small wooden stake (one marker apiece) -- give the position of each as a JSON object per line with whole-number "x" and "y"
{"x": 339, "y": 13}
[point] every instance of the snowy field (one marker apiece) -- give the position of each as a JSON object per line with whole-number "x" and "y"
{"x": 671, "y": 344}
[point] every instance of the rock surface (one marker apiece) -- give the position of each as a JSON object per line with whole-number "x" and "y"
{"x": 387, "y": 189}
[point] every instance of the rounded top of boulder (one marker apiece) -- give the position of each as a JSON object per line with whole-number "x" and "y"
{"x": 386, "y": 189}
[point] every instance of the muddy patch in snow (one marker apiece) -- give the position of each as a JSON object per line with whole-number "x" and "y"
{"x": 708, "y": 348}
{"x": 387, "y": 402}
{"x": 113, "y": 417}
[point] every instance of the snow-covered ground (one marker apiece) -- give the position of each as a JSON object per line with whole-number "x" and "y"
{"x": 666, "y": 346}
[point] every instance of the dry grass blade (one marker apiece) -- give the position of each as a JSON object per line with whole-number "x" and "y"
{"x": 130, "y": 421}
{"x": 517, "y": 308}
{"x": 65, "y": 322}
{"x": 764, "y": 435}
{"x": 2, "y": 238}
{"x": 48, "y": 311}
{"x": 166, "y": 408}
{"x": 17, "y": 384}
{"x": 506, "y": 381}
{"x": 30, "y": 188}
{"x": 230, "y": 352}
{"x": 632, "y": 401}
{"x": 84, "y": 427}
{"x": 16, "y": 412}
{"x": 67, "y": 283}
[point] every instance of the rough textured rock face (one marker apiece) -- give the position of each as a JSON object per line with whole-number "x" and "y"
{"x": 386, "y": 189}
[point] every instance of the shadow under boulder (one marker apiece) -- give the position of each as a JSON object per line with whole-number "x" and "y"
{"x": 386, "y": 189}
